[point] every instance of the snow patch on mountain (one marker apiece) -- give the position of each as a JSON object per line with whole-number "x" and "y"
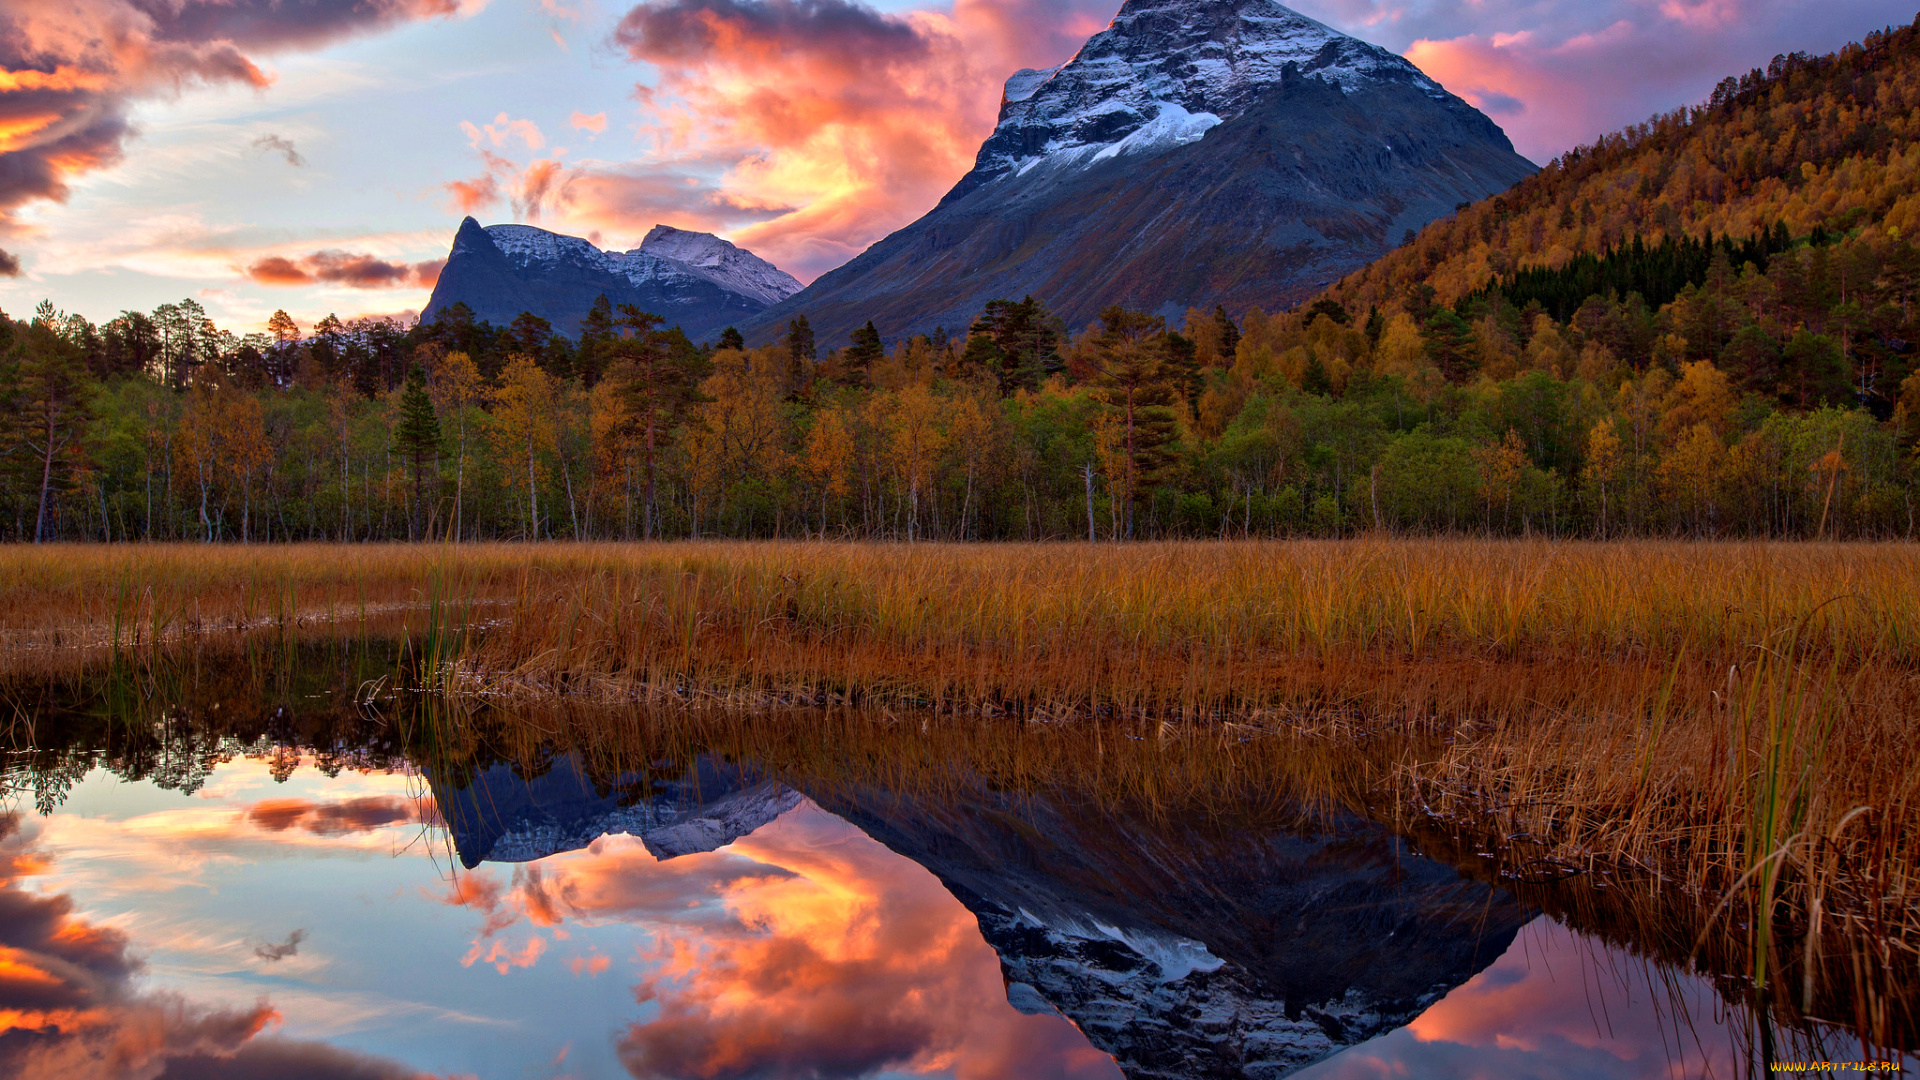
{"x": 1165, "y": 72}
{"x": 666, "y": 254}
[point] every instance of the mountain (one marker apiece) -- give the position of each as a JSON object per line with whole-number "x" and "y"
{"x": 1817, "y": 149}
{"x": 1194, "y": 152}
{"x": 694, "y": 280}
{"x": 1185, "y": 946}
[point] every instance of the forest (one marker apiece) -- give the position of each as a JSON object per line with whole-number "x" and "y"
{"x": 1700, "y": 326}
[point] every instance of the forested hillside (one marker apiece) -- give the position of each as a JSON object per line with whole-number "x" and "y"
{"x": 1702, "y": 326}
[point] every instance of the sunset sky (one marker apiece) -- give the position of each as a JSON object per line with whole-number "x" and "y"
{"x": 316, "y": 155}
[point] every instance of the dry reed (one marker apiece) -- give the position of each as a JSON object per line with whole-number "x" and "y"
{"x": 1732, "y": 718}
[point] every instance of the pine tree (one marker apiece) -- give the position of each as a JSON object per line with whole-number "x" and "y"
{"x": 596, "y": 331}
{"x": 731, "y": 338}
{"x": 659, "y": 380}
{"x": 801, "y": 355}
{"x": 51, "y": 414}
{"x": 417, "y": 440}
{"x": 1229, "y": 332}
{"x": 859, "y": 357}
{"x": 1132, "y": 371}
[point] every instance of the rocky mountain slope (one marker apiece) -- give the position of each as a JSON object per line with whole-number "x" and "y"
{"x": 694, "y": 280}
{"x": 1192, "y": 153}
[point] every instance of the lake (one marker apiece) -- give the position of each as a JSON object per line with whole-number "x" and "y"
{"x": 209, "y": 873}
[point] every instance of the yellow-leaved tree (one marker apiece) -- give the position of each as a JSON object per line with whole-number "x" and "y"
{"x": 827, "y": 455}
{"x": 521, "y": 427}
{"x": 458, "y": 391}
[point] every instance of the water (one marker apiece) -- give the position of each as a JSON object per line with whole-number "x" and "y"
{"x": 286, "y": 885}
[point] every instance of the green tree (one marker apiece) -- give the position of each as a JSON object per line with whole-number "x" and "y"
{"x": 801, "y": 354}
{"x": 659, "y": 380}
{"x": 596, "y": 331}
{"x": 416, "y": 439}
{"x": 858, "y": 359}
{"x": 51, "y": 410}
{"x": 1131, "y": 371}
{"x": 1449, "y": 344}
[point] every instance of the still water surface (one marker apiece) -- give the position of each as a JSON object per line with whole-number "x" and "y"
{"x": 263, "y": 918}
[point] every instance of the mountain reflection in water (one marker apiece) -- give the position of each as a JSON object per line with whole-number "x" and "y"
{"x": 718, "y": 919}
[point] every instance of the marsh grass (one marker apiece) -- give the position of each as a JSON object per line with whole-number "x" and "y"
{"x": 1732, "y": 723}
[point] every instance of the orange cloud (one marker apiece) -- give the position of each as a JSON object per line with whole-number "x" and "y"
{"x": 764, "y": 125}
{"x": 343, "y": 268}
{"x": 69, "y": 72}
{"x": 804, "y": 949}
{"x": 596, "y": 123}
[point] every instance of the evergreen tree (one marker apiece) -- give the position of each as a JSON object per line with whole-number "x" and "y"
{"x": 1449, "y": 342}
{"x": 49, "y": 413}
{"x": 659, "y": 377}
{"x": 416, "y": 439}
{"x": 1229, "y": 331}
{"x": 801, "y": 355}
{"x": 859, "y": 357}
{"x": 731, "y": 338}
{"x": 1132, "y": 373}
{"x": 596, "y": 334}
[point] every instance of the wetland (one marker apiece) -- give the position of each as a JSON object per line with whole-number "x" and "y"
{"x": 1437, "y": 808}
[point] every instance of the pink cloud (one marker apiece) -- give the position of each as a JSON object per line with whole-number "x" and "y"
{"x": 70, "y": 71}
{"x": 596, "y": 123}
{"x": 792, "y": 148}
{"x": 1557, "y": 76}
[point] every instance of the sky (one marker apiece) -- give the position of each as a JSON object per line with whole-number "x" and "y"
{"x": 316, "y": 156}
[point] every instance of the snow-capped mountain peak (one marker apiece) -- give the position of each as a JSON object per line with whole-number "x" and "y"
{"x": 726, "y": 265}
{"x": 1164, "y": 72}
{"x": 663, "y": 254}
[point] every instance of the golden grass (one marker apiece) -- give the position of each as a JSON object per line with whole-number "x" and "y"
{"x": 1734, "y": 719}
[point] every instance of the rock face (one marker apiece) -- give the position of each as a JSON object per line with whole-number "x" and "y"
{"x": 1194, "y": 152}
{"x": 696, "y": 281}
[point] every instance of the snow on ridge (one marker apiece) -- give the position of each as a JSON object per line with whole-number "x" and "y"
{"x": 1021, "y": 84}
{"x": 666, "y": 255}
{"x": 1146, "y": 81}
{"x": 721, "y": 262}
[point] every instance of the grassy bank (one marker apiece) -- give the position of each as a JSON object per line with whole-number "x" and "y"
{"x": 1734, "y": 721}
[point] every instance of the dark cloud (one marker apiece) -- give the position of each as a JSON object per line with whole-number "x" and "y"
{"x": 287, "y": 1059}
{"x": 275, "y": 951}
{"x": 359, "y": 272}
{"x": 9, "y": 264}
{"x": 70, "y": 71}
{"x": 682, "y": 30}
{"x": 277, "y": 145}
{"x": 74, "y": 1012}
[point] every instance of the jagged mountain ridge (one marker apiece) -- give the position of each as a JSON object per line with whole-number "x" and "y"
{"x": 1224, "y": 151}
{"x": 694, "y": 280}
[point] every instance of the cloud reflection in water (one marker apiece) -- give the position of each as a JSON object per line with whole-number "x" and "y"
{"x": 806, "y": 949}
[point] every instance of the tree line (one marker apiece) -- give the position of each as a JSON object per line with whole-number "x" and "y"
{"x": 1776, "y": 403}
